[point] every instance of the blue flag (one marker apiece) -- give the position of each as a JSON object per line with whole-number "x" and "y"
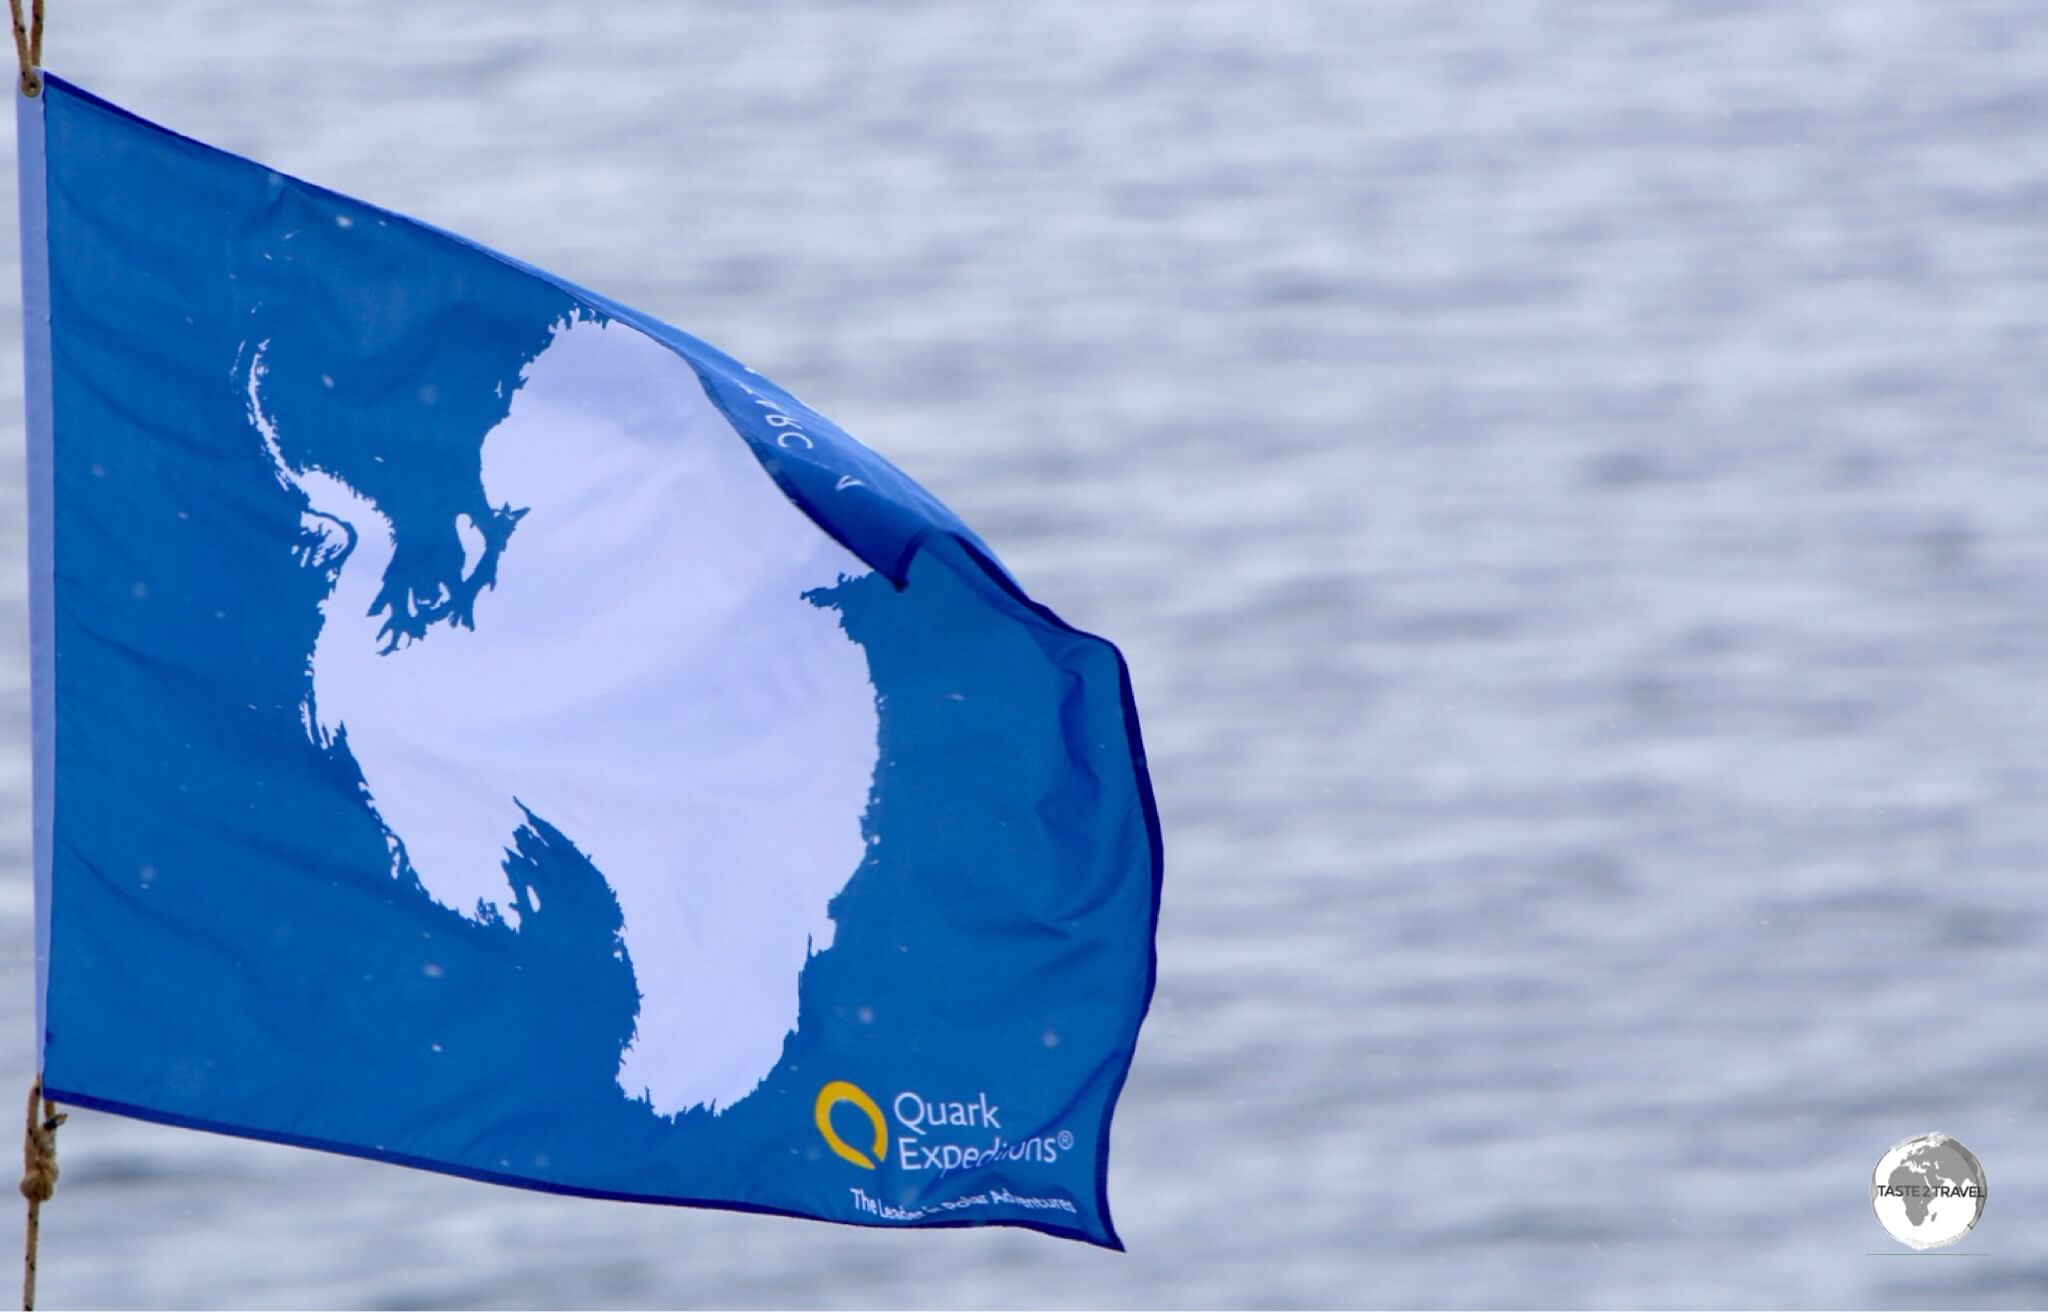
{"x": 480, "y": 727}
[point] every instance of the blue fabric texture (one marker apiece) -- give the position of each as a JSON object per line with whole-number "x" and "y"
{"x": 229, "y": 947}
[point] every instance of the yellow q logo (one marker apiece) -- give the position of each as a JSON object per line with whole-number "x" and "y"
{"x": 831, "y": 1096}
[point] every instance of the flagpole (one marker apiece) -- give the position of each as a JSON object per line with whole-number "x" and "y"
{"x": 39, "y": 1135}
{"x": 38, "y": 1179}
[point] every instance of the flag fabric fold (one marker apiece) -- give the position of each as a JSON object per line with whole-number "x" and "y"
{"x": 480, "y": 727}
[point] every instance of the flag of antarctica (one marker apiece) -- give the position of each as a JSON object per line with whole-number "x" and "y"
{"x": 479, "y": 727}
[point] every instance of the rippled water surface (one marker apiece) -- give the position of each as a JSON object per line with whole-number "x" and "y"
{"x": 1568, "y": 480}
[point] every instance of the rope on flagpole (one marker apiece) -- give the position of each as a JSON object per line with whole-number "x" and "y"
{"x": 28, "y": 46}
{"x": 38, "y": 1179}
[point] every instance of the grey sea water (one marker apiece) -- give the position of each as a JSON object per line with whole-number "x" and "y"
{"x": 1568, "y": 479}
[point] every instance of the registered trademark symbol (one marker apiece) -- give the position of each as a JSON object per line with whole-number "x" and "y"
{"x": 1066, "y": 1140}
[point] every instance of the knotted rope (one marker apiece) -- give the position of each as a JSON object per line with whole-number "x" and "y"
{"x": 38, "y": 1179}
{"x": 28, "y": 46}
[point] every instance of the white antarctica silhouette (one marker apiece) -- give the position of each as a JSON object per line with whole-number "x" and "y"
{"x": 646, "y": 676}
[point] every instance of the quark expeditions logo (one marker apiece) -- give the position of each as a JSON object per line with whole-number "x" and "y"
{"x": 1928, "y": 1191}
{"x": 831, "y": 1096}
{"x": 932, "y": 1134}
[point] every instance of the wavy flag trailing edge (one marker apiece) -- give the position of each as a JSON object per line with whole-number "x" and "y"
{"x": 480, "y": 727}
